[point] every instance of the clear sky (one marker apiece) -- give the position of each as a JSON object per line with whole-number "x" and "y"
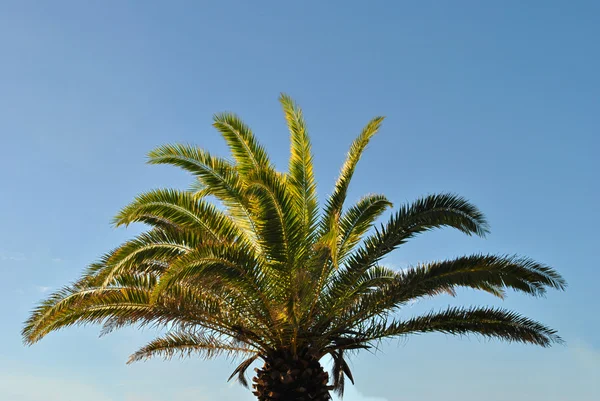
{"x": 496, "y": 100}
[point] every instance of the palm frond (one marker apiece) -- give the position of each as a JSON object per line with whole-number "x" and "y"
{"x": 479, "y": 272}
{"x": 489, "y": 273}
{"x": 487, "y": 322}
{"x": 152, "y": 249}
{"x": 240, "y": 371}
{"x": 302, "y": 181}
{"x": 72, "y": 305}
{"x": 340, "y": 370}
{"x": 244, "y": 146}
{"x": 336, "y": 200}
{"x": 213, "y": 170}
{"x": 179, "y": 209}
{"x": 358, "y": 220}
{"x": 184, "y": 344}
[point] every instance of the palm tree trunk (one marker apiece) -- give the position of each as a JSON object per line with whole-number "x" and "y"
{"x": 287, "y": 377}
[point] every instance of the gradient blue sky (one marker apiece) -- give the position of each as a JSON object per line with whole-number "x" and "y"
{"x": 498, "y": 101}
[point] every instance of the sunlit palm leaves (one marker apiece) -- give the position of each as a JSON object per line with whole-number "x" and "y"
{"x": 263, "y": 271}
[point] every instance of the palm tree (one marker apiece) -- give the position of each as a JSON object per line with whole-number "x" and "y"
{"x": 265, "y": 275}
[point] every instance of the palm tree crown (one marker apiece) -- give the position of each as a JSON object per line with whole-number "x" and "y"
{"x": 264, "y": 274}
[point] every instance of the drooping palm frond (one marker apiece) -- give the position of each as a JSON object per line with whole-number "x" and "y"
{"x": 240, "y": 371}
{"x": 185, "y": 344}
{"x": 490, "y": 273}
{"x": 261, "y": 274}
{"x": 340, "y": 371}
{"x": 517, "y": 273}
{"x": 129, "y": 302}
{"x": 487, "y": 322}
{"x": 76, "y": 305}
{"x": 153, "y": 249}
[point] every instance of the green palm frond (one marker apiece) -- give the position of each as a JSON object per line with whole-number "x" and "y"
{"x": 336, "y": 200}
{"x": 71, "y": 306}
{"x": 180, "y": 210}
{"x": 489, "y": 273}
{"x": 129, "y": 302}
{"x": 214, "y": 171}
{"x": 244, "y": 146}
{"x": 486, "y": 322}
{"x": 185, "y": 344}
{"x": 358, "y": 219}
{"x": 154, "y": 249}
{"x": 517, "y": 273}
{"x": 302, "y": 181}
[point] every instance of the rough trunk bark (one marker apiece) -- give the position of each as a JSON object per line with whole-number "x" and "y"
{"x": 285, "y": 377}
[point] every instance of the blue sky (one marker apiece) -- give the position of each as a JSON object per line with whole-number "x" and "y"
{"x": 497, "y": 101}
